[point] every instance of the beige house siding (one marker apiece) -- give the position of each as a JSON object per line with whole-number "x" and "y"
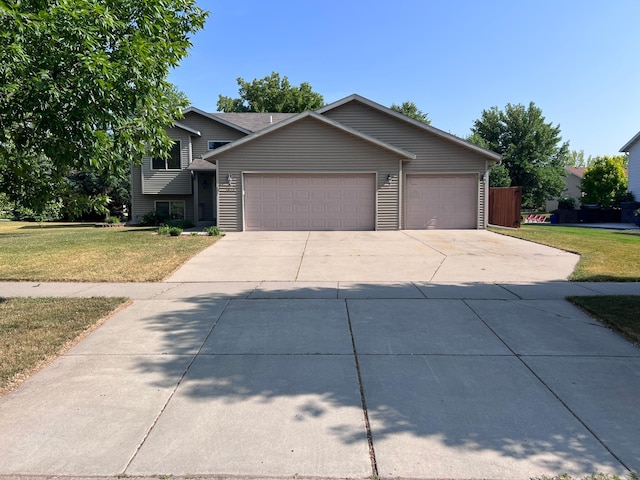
{"x": 434, "y": 154}
{"x": 310, "y": 146}
{"x": 209, "y": 130}
{"x": 142, "y": 204}
{"x": 169, "y": 182}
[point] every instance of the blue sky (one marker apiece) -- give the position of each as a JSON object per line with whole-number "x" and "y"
{"x": 576, "y": 60}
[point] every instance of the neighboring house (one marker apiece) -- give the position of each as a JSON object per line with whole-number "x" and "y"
{"x": 572, "y": 189}
{"x": 632, "y": 147}
{"x": 351, "y": 165}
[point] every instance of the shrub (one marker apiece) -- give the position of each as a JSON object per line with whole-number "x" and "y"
{"x": 164, "y": 230}
{"x": 113, "y": 220}
{"x": 213, "y": 231}
{"x": 183, "y": 224}
{"x": 175, "y": 231}
{"x": 151, "y": 219}
{"x": 567, "y": 203}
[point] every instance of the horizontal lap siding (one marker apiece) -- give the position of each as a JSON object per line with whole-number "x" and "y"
{"x": 209, "y": 130}
{"x": 142, "y": 204}
{"x": 434, "y": 155}
{"x": 169, "y": 182}
{"x": 307, "y": 146}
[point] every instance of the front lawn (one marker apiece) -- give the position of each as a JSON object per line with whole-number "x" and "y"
{"x": 82, "y": 253}
{"x": 621, "y": 312}
{"x": 35, "y": 330}
{"x": 605, "y": 255}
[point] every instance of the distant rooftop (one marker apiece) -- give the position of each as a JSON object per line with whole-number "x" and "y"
{"x": 253, "y": 121}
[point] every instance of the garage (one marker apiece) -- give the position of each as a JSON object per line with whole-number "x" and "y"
{"x": 441, "y": 201}
{"x": 309, "y": 201}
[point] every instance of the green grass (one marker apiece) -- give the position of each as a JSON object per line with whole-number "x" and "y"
{"x": 605, "y": 255}
{"x": 83, "y": 253}
{"x": 618, "y": 311}
{"x": 598, "y": 476}
{"x": 35, "y": 330}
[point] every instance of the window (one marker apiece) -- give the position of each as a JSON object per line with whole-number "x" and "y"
{"x": 213, "y": 144}
{"x": 170, "y": 163}
{"x": 170, "y": 210}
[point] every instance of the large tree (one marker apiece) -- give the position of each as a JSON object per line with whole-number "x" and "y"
{"x": 532, "y": 149}
{"x": 271, "y": 94}
{"x": 411, "y": 110}
{"x": 83, "y": 87}
{"x": 605, "y": 181}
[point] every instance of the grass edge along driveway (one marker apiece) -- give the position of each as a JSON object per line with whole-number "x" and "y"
{"x": 34, "y": 331}
{"x": 82, "y": 253}
{"x": 605, "y": 255}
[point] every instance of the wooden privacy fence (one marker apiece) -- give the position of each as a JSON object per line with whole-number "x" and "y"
{"x": 504, "y": 206}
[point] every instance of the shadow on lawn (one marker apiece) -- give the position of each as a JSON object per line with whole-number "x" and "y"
{"x": 256, "y": 351}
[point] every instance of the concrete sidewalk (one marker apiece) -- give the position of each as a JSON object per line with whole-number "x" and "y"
{"x": 331, "y": 380}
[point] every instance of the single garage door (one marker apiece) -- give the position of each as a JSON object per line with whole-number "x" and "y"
{"x": 309, "y": 202}
{"x": 441, "y": 201}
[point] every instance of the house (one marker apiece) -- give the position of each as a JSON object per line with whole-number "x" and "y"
{"x": 572, "y": 180}
{"x": 632, "y": 147}
{"x": 351, "y": 165}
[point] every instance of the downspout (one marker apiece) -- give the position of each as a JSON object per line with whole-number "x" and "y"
{"x": 400, "y": 198}
{"x": 487, "y": 169}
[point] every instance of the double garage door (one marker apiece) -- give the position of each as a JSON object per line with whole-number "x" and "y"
{"x": 347, "y": 201}
{"x": 309, "y": 202}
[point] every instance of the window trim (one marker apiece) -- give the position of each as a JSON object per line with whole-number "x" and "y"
{"x": 166, "y": 169}
{"x": 224, "y": 142}
{"x": 184, "y": 207}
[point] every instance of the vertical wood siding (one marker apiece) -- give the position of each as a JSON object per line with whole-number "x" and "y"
{"x": 307, "y": 146}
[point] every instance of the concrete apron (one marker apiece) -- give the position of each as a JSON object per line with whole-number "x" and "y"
{"x": 395, "y": 256}
{"x": 264, "y": 381}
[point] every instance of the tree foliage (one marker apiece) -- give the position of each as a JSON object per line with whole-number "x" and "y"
{"x": 532, "y": 149}
{"x": 271, "y": 94}
{"x": 83, "y": 86}
{"x": 411, "y": 110}
{"x": 605, "y": 182}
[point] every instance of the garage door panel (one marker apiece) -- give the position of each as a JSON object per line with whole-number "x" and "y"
{"x": 309, "y": 202}
{"x": 441, "y": 201}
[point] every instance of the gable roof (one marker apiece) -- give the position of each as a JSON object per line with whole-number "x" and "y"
{"x": 254, "y": 121}
{"x": 440, "y": 133}
{"x": 630, "y": 143}
{"x": 215, "y": 118}
{"x": 187, "y": 128}
{"x": 577, "y": 171}
{"x": 315, "y": 116}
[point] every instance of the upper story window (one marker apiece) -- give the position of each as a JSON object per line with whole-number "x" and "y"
{"x": 172, "y": 162}
{"x": 213, "y": 144}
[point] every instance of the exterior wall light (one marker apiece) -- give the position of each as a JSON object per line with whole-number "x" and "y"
{"x": 389, "y": 178}
{"x": 229, "y": 179}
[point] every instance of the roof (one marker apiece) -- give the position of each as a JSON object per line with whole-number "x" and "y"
{"x": 447, "y": 136}
{"x": 630, "y": 143}
{"x": 199, "y": 165}
{"x": 186, "y": 128}
{"x": 577, "y": 171}
{"x": 217, "y": 119}
{"x": 315, "y": 116}
{"x": 254, "y": 121}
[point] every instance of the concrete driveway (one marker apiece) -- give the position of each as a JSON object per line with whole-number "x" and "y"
{"x": 342, "y": 378}
{"x": 395, "y": 256}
